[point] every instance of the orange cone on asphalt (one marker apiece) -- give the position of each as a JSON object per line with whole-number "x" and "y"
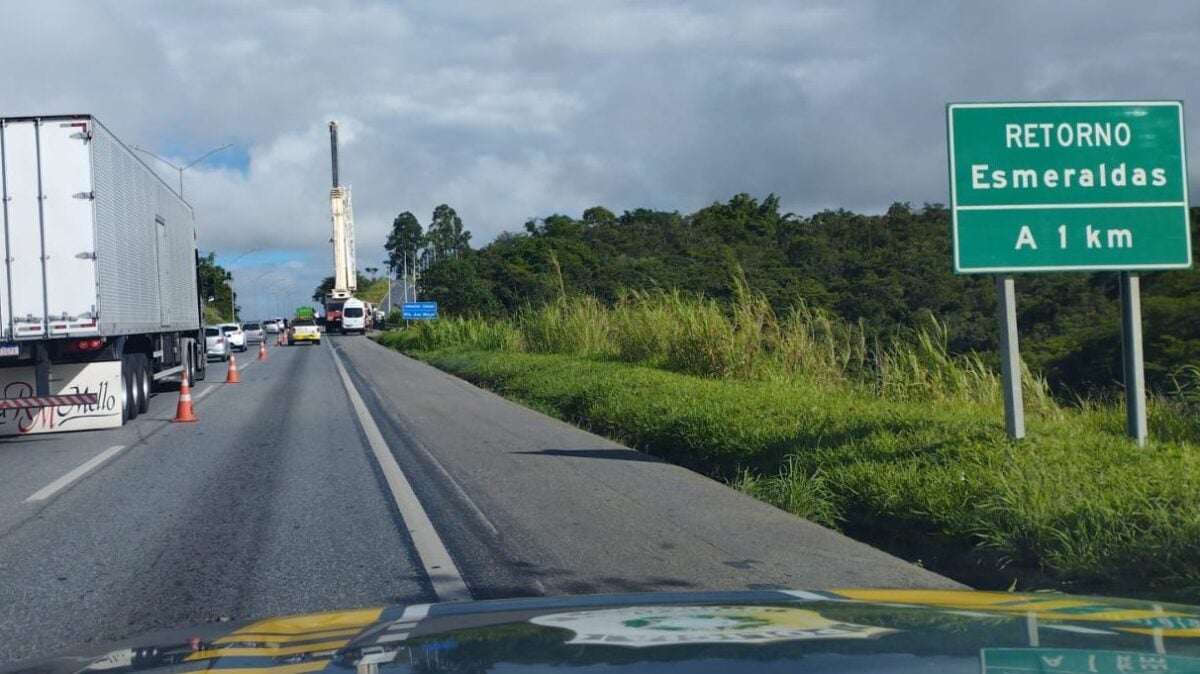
{"x": 262, "y": 350}
{"x": 184, "y": 411}
{"x": 231, "y": 377}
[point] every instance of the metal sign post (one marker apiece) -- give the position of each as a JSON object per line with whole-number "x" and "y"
{"x": 1010, "y": 358}
{"x": 1131, "y": 357}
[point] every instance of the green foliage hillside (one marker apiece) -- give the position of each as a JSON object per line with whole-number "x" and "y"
{"x": 885, "y": 272}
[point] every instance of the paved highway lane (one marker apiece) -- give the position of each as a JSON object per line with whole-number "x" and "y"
{"x": 269, "y": 504}
{"x": 528, "y": 504}
{"x": 294, "y": 494}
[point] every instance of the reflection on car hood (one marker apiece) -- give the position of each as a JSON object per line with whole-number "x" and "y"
{"x": 784, "y": 631}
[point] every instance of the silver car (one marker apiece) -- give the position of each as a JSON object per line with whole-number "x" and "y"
{"x": 254, "y": 333}
{"x": 217, "y": 345}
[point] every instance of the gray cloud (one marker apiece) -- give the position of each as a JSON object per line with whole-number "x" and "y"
{"x": 518, "y": 109}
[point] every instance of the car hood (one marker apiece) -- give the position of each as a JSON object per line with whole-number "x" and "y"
{"x": 784, "y": 631}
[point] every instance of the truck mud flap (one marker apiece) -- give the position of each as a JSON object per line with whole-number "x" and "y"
{"x": 71, "y": 386}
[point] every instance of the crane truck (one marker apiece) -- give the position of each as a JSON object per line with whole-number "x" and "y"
{"x": 99, "y": 289}
{"x": 345, "y": 280}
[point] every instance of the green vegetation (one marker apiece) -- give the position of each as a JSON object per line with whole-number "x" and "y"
{"x": 874, "y": 271}
{"x": 889, "y": 436}
{"x": 372, "y": 291}
{"x": 215, "y": 291}
{"x": 855, "y": 386}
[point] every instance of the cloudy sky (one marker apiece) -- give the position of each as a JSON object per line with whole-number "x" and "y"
{"x": 521, "y": 108}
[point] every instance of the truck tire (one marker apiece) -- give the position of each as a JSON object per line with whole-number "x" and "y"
{"x": 128, "y": 389}
{"x": 134, "y": 389}
{"x": 145, "y": 381}
{"x": 123, "y": 391}
{"x": 198, "y": 369}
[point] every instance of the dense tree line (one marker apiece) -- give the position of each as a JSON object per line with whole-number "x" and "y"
{"x": 891, "y": 271}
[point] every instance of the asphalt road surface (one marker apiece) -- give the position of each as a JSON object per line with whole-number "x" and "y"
{"x": 346, "y": 475}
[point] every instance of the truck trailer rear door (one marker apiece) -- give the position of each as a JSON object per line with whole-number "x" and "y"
{"x": 69, "y": 235}
{"x": 23, "y": 231}
{"x": 51, "y": 274}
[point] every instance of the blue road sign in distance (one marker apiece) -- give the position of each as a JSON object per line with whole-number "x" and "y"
{"x": 419, "y": 311}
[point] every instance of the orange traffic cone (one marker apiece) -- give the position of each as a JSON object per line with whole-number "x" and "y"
{"x": 184, "y": 411}
{"x": 279, "y": 339}
{"x": 262, "y": 350}
{"x": 231, "y": 377}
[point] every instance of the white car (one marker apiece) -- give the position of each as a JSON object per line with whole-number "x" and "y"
{"x": 216, "y": 344}
{"x": 234, "y": 335}
{"x": 272, "y": 327}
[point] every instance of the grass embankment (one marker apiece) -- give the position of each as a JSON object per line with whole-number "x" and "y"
{"x": 373, "y": 291}
{"x": 892, "y": 441}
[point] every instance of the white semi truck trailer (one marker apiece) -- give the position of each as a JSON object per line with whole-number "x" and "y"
{"x": 99, "y": 293}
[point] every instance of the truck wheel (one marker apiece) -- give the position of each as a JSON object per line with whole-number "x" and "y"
{"x": 198, "y": 369}
{"x": 135, "y": 391}
{"x": 124, "y": 392}
{"x": 129, "y": 389}
{"x": 145, "y": 380}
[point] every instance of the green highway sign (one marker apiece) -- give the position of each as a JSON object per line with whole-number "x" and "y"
{"x": 1068, "y": 186}
{"x": 1079, "y": 661}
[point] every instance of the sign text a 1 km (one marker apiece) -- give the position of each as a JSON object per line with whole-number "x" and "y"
{"x": 1068, "y": 186}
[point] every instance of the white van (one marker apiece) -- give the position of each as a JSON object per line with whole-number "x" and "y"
{"x": 354, "y": 316}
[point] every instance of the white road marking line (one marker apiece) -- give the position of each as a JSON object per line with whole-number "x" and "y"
{"x": 211, "y": 386}
{"x": 200, "y": 396}
{"x": 388, "y": 638}
{"x": 448, "y": 583}
{"x": 85, "y": 468}
{"x": 539, "y": 586}
{"x": 462, "y": 493}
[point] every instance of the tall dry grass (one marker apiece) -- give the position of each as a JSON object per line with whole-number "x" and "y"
{"x": 745, "y": 340}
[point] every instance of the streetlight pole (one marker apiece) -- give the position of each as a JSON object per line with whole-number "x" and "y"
{"x": 260, "y": 301}
{"x": 229, "y": 277}
{"x": 390, "y": 273}
{"x": 279, "y": 294}
{"x": 186, "y": 166}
